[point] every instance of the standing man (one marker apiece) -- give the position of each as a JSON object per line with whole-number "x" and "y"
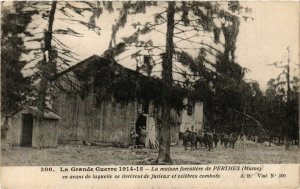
{"x": 133, "y": 137}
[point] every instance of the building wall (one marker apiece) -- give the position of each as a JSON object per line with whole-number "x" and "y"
{"x": 195, "y": 121}
{"x": 174, "y": 128}
{"x": 15, "y": 131}
{"x": 187, "y": 121}
{"x": 44, "y": 133}
{"x": 198, "y": 115}
{"x": 84, "y": 120}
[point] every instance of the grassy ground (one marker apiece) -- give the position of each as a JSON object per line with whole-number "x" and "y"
{"x": 95, "y": 155}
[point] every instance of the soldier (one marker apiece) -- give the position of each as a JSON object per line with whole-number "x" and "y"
{"x": 185, "y": 137}
{"x": 133, "y": 137}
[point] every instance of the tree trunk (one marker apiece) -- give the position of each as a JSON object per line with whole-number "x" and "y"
{"x": 48, "y": 65}
{"x": 289, "y": 121}
{"x": 164, "y": 156}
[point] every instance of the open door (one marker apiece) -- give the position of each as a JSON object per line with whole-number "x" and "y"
{"x": 27, "y": 125}
{"x": 140, "y": 123}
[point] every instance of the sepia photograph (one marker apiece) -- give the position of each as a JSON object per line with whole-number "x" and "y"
{"x": 108, "y": 83}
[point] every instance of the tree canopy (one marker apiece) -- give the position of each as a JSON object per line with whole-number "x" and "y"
{"x": 13, "y": 85}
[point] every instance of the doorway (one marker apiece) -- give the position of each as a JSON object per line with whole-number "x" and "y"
{"x": 27, "y": 125}
{"x": 140, "y": 123}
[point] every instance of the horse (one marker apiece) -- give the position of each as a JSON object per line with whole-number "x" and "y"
{"x": 190, "y": 137}
{"x": 206, "y": 139}
{"x": 229, "y": 140}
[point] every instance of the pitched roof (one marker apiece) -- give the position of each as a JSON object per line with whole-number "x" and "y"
{"x": 83, "y": 63}
{"x": 111, "y": 79}
{"x": 99, "y": 60}
{"x": 48, "y": 113}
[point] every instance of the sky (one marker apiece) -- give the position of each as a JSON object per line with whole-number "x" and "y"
{"x": 260, "y": 42}
{"x": 265, "y": 39}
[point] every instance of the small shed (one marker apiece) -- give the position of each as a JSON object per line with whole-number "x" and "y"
{"x": 32, "y": 128}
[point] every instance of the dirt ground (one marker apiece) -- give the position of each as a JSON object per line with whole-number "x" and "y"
{"x": 95, "y": 155}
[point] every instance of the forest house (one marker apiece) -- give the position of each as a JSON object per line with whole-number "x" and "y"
{"x": 100, "y": 101}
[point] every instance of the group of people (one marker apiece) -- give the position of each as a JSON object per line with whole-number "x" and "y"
{"x": 208, "y": 138}
{"x": 202, "y": 136}
{"x": 138, "y": 136}
{"x": 193, "y": 137}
